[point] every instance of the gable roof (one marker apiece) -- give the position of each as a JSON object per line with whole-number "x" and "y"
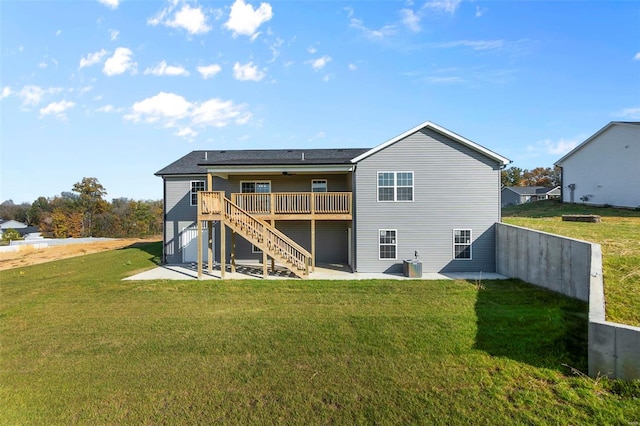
{"x": 594, "y": 136}
{"x": 530, "y": 190}
{"x": 430, "y": 125}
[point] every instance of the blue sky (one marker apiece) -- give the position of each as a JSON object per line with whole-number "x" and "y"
{"x": 118, "y": 89}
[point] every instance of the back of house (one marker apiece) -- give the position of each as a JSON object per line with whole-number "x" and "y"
{"x": 427, "y": 191}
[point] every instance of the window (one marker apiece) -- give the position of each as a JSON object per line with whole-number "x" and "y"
{"x": 255, "y": 249}
{"x": 387, "y": 243}
{"x": 319, "y": 185}
{"x": 255, "y": 187}
{"x": 462, "y": 244}
{"x": 196, "y": 186}
{"x": 395, "y": 186}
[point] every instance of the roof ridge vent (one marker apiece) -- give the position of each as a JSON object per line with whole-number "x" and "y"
{"x": 206, "y": 156}
{"x": 303, "y": 156}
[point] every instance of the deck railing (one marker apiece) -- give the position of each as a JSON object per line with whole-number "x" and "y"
{"x": 288, "y": 203}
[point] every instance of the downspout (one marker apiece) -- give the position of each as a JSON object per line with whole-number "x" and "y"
{"x": 354, "y": 238}
{"x": 164, "y": 220}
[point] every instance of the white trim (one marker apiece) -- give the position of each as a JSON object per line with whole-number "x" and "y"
{"x": 204, "y": 188}
{"x": 255, "y": 249}
{"x": 428, "y": 124}
{"x": 395, "y": 187}
{"x": 454, "y": 244}
{"x": 387, "y": 244}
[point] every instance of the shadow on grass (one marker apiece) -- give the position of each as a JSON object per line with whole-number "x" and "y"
{"x": 153, "y": 248}
{"x": 531, "y": 325}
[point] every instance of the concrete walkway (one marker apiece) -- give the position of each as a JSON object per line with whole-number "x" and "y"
{"x": 244, "y": 272}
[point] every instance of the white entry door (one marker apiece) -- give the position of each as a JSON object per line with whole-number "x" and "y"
{"x": 189, "y": 243}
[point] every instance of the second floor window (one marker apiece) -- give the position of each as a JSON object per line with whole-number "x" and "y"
{"x": 196, "y": 186}
{"x": 395, "y": 186}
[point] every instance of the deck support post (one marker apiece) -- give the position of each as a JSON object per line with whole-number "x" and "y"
{"x": 313, "y": 245}
{"x": 199, "y": 226}
{"x": 265, "y": 269}
{"x": 273, "y": 261}
{"x": 233, "y": 251}
{"x": 210, "y": 246}
{"x": 223, "y": 248}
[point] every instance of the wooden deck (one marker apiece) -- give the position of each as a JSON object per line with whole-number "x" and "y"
{"x": 281, "y": 205}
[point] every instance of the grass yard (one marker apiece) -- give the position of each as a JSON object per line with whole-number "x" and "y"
{"x": 619, "y": 236}
{"x": 80, "y": 346}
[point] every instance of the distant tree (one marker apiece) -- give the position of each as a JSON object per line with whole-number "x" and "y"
{"x": 511, "y": 176}
{"x": 61, "y": 224}
{"x": 11, "y": 235}
{"x": 90, "y": 201}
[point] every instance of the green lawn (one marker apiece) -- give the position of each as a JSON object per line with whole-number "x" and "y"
{"x": 80, "y": 346}
{"x": 619, "y": 236}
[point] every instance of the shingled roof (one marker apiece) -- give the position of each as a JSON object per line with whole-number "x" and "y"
{"x": 196, "y": 162}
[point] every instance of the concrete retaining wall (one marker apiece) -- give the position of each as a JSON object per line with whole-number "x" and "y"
{"x": 573, "y": 268}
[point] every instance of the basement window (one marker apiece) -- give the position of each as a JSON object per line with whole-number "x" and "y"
{"x": 462, "y": 244}
{"x": 387, "y": 244}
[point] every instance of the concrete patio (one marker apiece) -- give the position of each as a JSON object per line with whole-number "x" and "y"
{"x": 246, "y": 271}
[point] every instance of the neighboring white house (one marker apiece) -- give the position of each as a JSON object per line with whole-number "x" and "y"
{"x": 604, "y": 169}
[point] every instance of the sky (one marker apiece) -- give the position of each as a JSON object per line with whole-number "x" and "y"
{"x": 118, "y": 89}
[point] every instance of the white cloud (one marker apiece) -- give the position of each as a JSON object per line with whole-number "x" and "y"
{"x": 186, "y": 132}
{"x": 33, "y": 95}
{"x": 191, "y": 19}
{"x": 6, "y": 92}
{"x": 42, "y": 64}
{"x": 113, "y": 34}
{"x": 353, "y": 67}
{"x": 120, "y": 62}
{"x": 473, "y": 44}
{"x": 174, "y": 111}
{"x": 245, "y": 20}
{"x": 209, "y": 71}
{"x": 106, "y": 108}
{"x": 312, "y": 50}
{"x": 448, "y": 6}
{"x": 630, "y": 113}
{"x": 319, "y": 63}
{"x": 247, "y": 72}
{"x": 163, "y": 69}
{"x": 92, "y": 58}
{"x": 379, "y": 34}
{"x": 218, "y": 113}
{"x": 57, "y": 109}
{"x": 637, "y": 57}
{"x": 275, "y": 49}
{"x": 58, "y": 32}
{"x": 555, "y": 147}
{"x": 410, "y": 19}
{"x": 480, "y": 11}
{"x": 112, "y": 4}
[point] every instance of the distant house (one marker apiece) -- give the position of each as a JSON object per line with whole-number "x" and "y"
{"x": 604, "y": 169}
{"x": 365, "y": 208}
{"x": 515, "y": 195}
{"x": 21, "y": 228}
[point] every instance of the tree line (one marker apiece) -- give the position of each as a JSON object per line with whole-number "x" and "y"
{"x": 84, "y": 212}
{"x": 540, "y": 176}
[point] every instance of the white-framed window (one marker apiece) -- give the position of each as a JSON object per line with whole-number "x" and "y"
{"x": 395, "y": 186}
{"x": 319, "y": 185}
{"x": 387, "y": 244}
{"x": 255, "y": 249}
{"x": 253, "y": 187}
{"x": 462, "y": 244}
{"x": 196, "y": 186}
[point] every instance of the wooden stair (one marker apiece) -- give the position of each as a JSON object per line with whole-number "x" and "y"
{"x": 265, "y": 236}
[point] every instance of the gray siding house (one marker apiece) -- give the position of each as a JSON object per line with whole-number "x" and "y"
{"x": 515, "y": 195}
{"x": 427, "y": 190}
